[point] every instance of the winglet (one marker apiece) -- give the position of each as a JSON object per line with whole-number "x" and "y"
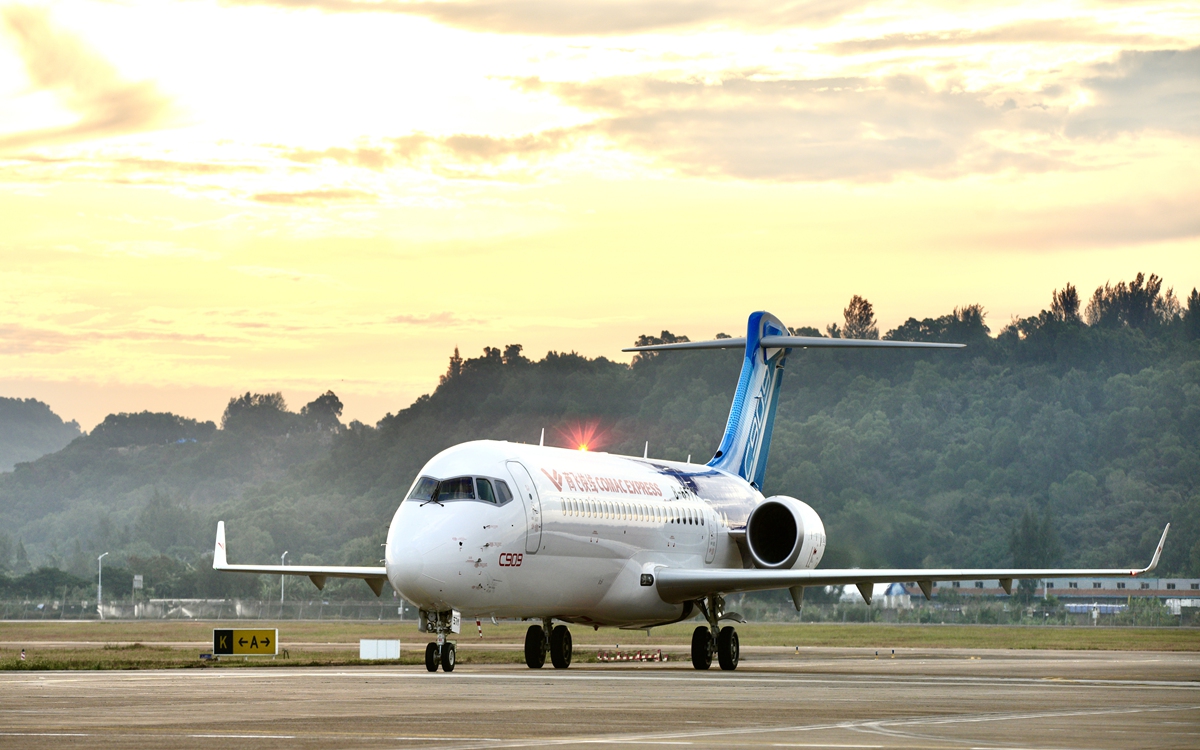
{"x": 1157, "y": 552}
{"x": 219, "y": 560}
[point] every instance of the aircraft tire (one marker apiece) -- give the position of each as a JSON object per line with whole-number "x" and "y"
{"x": 431, "y": 657}
{"x": 560, "y": 647}
{"x": 535, "y": 647}
{"x": 448, "y": 657}
{"x": 702, "y": 648}
{"x": 728, "y": 648}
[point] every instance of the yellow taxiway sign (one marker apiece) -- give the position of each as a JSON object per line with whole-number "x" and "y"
{"x": 246, "y": 642}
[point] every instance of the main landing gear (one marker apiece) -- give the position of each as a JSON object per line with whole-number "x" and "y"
{"x": 710, "y": 639}
{"x": 441, "y": 652}
{"x": 537, "y": 645}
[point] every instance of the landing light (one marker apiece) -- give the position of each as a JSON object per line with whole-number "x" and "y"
{"x": 583, "y": 446}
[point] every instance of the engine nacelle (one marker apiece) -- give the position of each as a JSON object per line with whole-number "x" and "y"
{"x": 783, "y": 532}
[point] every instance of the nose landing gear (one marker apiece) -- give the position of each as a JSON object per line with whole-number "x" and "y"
{"x": 714, "y": 638}
{"x": 441, "y": 652}
{"x": 537, "y": 645}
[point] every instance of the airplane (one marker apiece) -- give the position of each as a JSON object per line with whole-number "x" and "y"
{"x": 499, "y": 529}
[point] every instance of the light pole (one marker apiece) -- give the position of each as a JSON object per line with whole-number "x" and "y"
{"x": 281, "y": 579}
{"x": 100, "y": 585}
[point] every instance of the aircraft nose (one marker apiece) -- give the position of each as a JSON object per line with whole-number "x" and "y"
{"x": 403, "y": 559}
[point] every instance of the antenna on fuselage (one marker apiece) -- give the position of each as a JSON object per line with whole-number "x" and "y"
{"x": 542, "y": 439}
{"x": 689, "y": 458}
{"x": 646, "y": 453}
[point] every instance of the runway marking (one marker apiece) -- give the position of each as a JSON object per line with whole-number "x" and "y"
{"x": 241, "y": 736}
{"x": 449, "y": 739}
{"x": 884, "y": 726}
{"x": 814, "y": 744}
{"x": 43, "y": 734}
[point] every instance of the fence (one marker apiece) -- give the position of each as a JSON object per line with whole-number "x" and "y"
{"x": 980, "y": 611}
{"x": 212, "y": 609}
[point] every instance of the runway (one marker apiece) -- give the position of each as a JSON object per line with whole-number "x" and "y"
{"x": 976, "y": 699}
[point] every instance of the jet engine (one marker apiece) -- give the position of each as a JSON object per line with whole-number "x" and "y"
{"x": 783, "y": 532}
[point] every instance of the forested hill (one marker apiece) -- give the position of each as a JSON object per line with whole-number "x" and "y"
{"x": 29, "y": 429}
{"x": 1084, "y": 419}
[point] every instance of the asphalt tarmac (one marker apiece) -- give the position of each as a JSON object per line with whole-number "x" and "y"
{"x": 843, "y": 698}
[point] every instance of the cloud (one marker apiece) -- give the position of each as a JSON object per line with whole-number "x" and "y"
{"x": 18, "y": 339}
{"x": 441, "y": 319}
{"x": 105, "y": 104}
{"x": 592, "y": 17}
{"x": 790, "y": 130}
{"x": 1156, "y": 90}
{"x": 443, "y": 153}
{"x": 316, "y": 197}
{"x": 1046, "y": 31}
{"x": 877, "y": 128}
{"x": 1110, "y": 224}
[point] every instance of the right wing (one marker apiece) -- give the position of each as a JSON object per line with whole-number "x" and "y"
{"x": 375, "y": 577}
{"x": 682, "y": 584}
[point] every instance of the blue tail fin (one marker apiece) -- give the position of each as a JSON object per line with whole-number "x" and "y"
{"x": 747, "y": 439}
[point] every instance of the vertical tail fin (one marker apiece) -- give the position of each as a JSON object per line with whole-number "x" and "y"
{"x": 747, "y": 439}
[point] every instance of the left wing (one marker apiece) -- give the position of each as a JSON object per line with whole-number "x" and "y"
{"x": 679, "y": 585}
{"x": 375, "y": 577}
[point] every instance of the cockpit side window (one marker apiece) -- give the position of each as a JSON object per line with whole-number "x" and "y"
{"x": 502, "y": 492}
{"x": 424, "y": 489}
{"x": 459, "y": 488}
{"x": 485, "y": 490}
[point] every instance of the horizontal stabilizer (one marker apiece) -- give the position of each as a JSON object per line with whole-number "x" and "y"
{"x": 796, "y": 342}
{"x": 680, "y": 585}
{"x": 375, "y": 577}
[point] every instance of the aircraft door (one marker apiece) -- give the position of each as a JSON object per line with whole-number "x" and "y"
{"x": 711, "y": 554}
{"x": 533, "y": 506}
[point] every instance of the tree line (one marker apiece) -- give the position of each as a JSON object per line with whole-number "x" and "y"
{"x": 1068, "y": 437}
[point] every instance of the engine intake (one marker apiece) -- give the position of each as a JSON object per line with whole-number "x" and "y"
{"x": 783, "y": 532}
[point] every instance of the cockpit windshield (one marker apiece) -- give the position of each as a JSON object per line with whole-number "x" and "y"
{"x": 430, "y": 490}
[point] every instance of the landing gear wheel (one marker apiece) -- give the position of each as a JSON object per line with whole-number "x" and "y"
{"x": 431, "y": 657}
{"x": 702, "y": 648}
{"x": 535, "y": 647}
{"x": 728, "y": 649}
{"x": 448, "y": 657}
{"x": 560, "y": 647}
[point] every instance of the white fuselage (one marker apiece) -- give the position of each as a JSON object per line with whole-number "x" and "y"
{"x": 575, "y": 540}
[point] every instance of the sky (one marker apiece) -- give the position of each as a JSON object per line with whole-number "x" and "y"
{"x": 203, "y": 198}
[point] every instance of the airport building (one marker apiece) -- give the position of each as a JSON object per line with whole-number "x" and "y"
{"x": 1109, "y": 593}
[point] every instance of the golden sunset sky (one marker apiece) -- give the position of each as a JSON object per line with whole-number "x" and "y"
{"x": 201, "y": 198}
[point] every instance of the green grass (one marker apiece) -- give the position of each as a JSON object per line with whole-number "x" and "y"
{"x": 159, "y": 644}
